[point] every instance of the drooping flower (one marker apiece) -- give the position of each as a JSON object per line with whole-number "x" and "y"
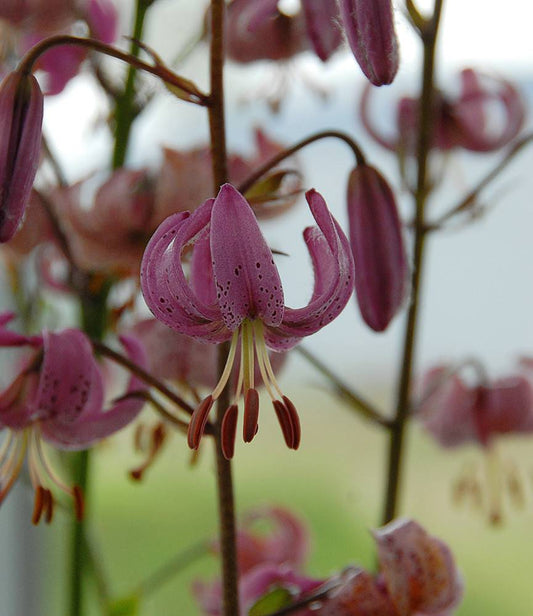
{"x": 456, "y": 412}
{"x": 21, "y": 116}
{"x": 369, "y": 28}
{"x": 488, "y": 113}
{"x": 57, "y": 397}
{"x": 263, "y": 30}
{"x": 235, "y": 293}
{"x": 417, "y": 577}
{"x": 378, "y": 247}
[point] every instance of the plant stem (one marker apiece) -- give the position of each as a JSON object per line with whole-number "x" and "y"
{"x": 396, "y": 443}
{"x": 124, "y": 112}
{"x": 226, "y": 506}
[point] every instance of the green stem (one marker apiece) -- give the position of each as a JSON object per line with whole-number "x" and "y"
{"x": 396, "y": 443}
{"x": 124, "y": 109}
{"x": 93, "y": 321}
{"x": 226, "y": 505}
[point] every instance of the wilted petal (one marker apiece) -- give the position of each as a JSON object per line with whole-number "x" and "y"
{"x": 21, "y": 115}
{"x": 377, "y": 245}
{"x": 334, "y": 274}
{"x": 369, "y": 28}
{"x": 247, "y": 281}
{"x": 418, "y": 569}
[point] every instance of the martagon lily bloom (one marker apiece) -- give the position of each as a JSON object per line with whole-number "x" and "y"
{"x": 57, "y": 397}
{"x": 235, "y": 293}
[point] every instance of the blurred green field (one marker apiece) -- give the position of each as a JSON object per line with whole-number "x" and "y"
{"x": 334, "y": 481}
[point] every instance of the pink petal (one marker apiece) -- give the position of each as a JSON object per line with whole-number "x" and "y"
{"x": 321, "y": 18}
{"x": 334, "y": 275}
{"x": 102, "y": 19}
{"x": 247, "y": 281}
{"x": 418, "y": 569}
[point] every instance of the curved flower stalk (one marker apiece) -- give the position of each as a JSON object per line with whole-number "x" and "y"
{"x": 36, "y": 20}
{"x": 235, "y": 293}
{"x": 21, "y": 117}
{"x": 57, "y": 397}
{"x": 261, "y": 30}
{"x": 378, "y": 247}
{"x": 369, "y": 28}
{"x": 455, "y": 412}
{"x": 464, "y": 122}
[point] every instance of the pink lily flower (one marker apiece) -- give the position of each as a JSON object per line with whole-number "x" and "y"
{"x": 464, "y": 122}
{"x": 57, "y": 397}
{"x": 417, "y": 577}
{"x": 235, "y": 293}
{"x": 21, "y": 117}
{"x": 377, "y": 245}
{"x": 260, "y": 30}
{"x": 369, "y": 28}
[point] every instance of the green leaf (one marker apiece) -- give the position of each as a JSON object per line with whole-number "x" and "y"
{"x": 272, "y": 601}
{"x": 126, "y": 606}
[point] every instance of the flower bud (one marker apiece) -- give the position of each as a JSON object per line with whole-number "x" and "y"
{"x": 369, "y": 27}
{"x": 377, "y": 246}
{"x": 21, "y": 115}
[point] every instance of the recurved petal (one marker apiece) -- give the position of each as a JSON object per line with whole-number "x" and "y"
{"x": 165, "y": 288}
{"x": 419, "y": 570}
{"x": 377, "y": 245}
{"x": 21, "y": 116}
{"x": 334, "y": 277}
{"x": 96, "y": 423}
{"x": 247, "y": 281}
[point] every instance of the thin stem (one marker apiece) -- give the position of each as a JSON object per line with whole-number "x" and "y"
{"x": 396, "y": 444}
{"x": 275, "y": 160}
{"x": 142, "y": 374}
{"x": 52, "y": 159}
{"x": 124, "y": 109}
{"x": 27, "y": 62}
{"x": 226, "y": 506}
{"x": 175, "y": 565}
{"x": 471, "y": 196}
{"x": 356, "y": 400}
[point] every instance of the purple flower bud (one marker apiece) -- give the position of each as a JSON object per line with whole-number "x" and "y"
{"x": 377, "y": 246}
{"x": 21, "y": 115}
{"x": 369, "y": 28}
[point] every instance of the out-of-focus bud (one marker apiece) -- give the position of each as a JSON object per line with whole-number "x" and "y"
{"x": 377, "y": 246}
{"x": 321, "y": 17}
{"x": 21, "y": 116}
{"x": 369, "y": 27}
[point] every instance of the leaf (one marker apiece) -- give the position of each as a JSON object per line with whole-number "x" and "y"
{"x": 272, "y": 601}
{"x": 126, "y": 606}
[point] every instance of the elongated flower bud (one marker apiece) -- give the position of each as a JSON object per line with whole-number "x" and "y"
{"x": 21, "y": 115}
{"x": 377, "y": 246}
{"x": 369, "y": 27}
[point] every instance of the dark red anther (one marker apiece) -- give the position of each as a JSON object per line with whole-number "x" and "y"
{"x": 198, "y": 421}
{"x": 79, "y": 504}
{"x": 295, "y": 422}
{"x": 284, "y": 421}
{"x": 228, "y": 430}
{"x": 251, "y": 415}
{"x": 39, "y": 504}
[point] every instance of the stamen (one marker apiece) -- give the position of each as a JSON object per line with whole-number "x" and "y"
{"x": 156, "y": 442}
{"x": 11, "y": 467}
{"x": 228, "y": 430}
{"x": 49, "y": 506}
{"x": 39, "y": 504}
{"x": 228, "y": 367}
{"x": 283, "y": 417}
{"x": 262, "y": 354}
{"x": 294, "y": 420}
{"x": 198, "y": 422}
{"x": 251, "y": 414}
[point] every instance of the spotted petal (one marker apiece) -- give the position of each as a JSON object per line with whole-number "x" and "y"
{"x": 334, "y": 275}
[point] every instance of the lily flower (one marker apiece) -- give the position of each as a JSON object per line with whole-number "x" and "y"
{"x": 235, "y": 293}
{"x": 57, "y": 397}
